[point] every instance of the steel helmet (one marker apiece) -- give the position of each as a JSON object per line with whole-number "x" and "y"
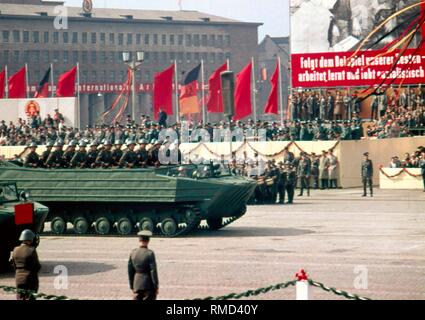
{"x": 27, "y": 235}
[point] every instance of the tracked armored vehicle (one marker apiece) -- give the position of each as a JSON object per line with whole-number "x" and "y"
{"x": 16, "y": 214}
{"x": 169, "y": 201}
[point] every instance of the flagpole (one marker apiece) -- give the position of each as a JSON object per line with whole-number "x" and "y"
{"x": 204, "y": 113}
{"x": 228, "y": 64}
{"x": 254, "y": 89}
{"x": 176, "y": 84}
{"x": 52, "y": 83}
{"x": 280, "y": 91}
{"x": 6, "y": 89}
{"x": 26, "y": 81}
{"x": 78, "y": 95}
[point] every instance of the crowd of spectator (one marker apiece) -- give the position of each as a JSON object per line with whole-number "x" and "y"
{"x": 409, "y": 160}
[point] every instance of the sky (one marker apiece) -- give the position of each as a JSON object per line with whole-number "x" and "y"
{"x": 273, "y": 13}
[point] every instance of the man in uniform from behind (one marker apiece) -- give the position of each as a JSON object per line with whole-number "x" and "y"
{"x": 32, "y": 160}
{"x": 142, "y": 272}
{"x": 367, "y": 174}
{"x": 27, "y": 265}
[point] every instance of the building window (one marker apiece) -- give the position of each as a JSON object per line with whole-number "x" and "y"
{"x": 65, "y": 56}
{"x": 36, "y": 37}
{"x": 138, "y": 39}
{"x": 112, "y": 38}
{"x": 93, "y": 57}
{"x": 102, "y": 57}
{"x": 75, "y": 56}
{"x": 46, "y": 37}
{"x": 94, "y": 76}
{"x": 155, "y": 56}
{"x": 104, "y": 76}
{"x": 172, "y": 41}
{"x": 212, "y": 57}
{"x": 155, "y": 39}
{"x": 138, "y": 76}
{"x": 102, "y": 38}
{"x": 164, "y": 40}
{"x": 164, "y": 56}
{"x": 6, "y": 35}
{"x": 205, "y": 56}
{"x": 129, "y": 39}
{"x": 122, "y": 76}
{"x": 75, "y": 37}
{"x": 26, "y": 36}
{"x": 84, "y": 37}
{"x": 16, "y": 56}
{"x": 227, "y": 41}
{"x": 6, "y": 56}
{"x": 180, "y": 57}
{"x": 228, "y": 55}
{"x": 118, "y": 56}
{"x": 37, "y": 76}
{"x": 36, "y": 56}
{"x": 112, "y": 76}
{"x": 46, "y": 56}
{"x": 93, "y": 38}
{"x": 16, "y": 36}
{"x": 85, "y": 76}
{"x": 26, "y": 56}
{"x": 220, "y": 57}
{"x": 147, "y": 75}
{"x": 172, "y": 56}
{"x": 147, "y": 40}
{"x": 180, "y": 40}
{"x": 197, "y": 57}
{"x": 111, "y": 57}
{"x": 120, "y": 39}
{"x": 196, "y": 41}
{"x": 188, "y": 57}
{"x": 84, "y": 56}
{"x": 147, "y": 56}
{"x": 204, "y": 41}
{"x": 188, "y": 40}
{"x": 55, "y": 56}
{"x": 55, "y": 37}
{"x": 65, "y": 37}
{"x": 220, "y": 41}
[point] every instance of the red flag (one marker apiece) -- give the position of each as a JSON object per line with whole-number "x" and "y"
{"x": 272, "y": 105}
{"x": 243, "y": 93}
{"x": 2, "y": 80}
{"x": 66, "y": 84}
{"x": 188, "y": 96}
{"x": 43, "y": 87}
{"x": 215, "y": 101}
{"x": 18, "y": 85}
{"x": 163, "y": 92}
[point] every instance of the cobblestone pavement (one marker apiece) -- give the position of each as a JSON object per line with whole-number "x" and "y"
{"x": 329, "y": 234}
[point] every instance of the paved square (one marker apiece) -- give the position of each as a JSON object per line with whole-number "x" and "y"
{"x": 329, "y": 234}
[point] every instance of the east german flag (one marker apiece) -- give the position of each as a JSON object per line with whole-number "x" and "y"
{"x": 188, "y": 96}
{"x": 43, "y": 87}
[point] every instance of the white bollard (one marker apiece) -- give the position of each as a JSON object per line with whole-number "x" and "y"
{"x": 302, "y": 290}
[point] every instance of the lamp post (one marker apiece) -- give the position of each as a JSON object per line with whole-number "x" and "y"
{"x": 133, "y": 62}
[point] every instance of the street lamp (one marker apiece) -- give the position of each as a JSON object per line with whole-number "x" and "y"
{"x": 133, "y": 62}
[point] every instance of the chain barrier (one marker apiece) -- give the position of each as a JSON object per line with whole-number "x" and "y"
{"x": 300, "y": 276}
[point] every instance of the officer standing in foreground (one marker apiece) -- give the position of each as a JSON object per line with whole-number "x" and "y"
{"x": 367, "y": 174}
{"x": 291, "y": 180}
{"x": 27, "y": 266}
{"x": 142, "y": 273}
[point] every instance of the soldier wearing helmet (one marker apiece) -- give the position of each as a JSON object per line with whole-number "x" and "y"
{"x": 32, "y": 160}
{"x": 104, "y": 159}
{"x": 80, "y": 157}
{"x": 69, "y": 153}
{"x": 142, "y": 154}
{"x": 92, "y": 155}
{"x": 129, "y": 158}
{"x": 27, "y": 265}
{"x": 45, "y": 155}
{"x": 117, "y": 153}
{"x": 55, "y": 159}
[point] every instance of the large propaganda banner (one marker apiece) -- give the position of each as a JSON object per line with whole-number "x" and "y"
{"x": 326, "y": 33}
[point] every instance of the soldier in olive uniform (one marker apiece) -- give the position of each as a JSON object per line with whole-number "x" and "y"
{"x": 315, "y": 162}
{"x": 281, "y": 183}
{"x": 304, "y": 171}
{"x": 55, "y": 159}
{"x": 80, "y": 157}
{"x": 367, "y": 174}
{"x": 69, "y": 153}
{"x": 104, "y": 159}
{"x": 27, "y": 265}
{"x": 422, "y": 166}
{"x": 154, "y": 154}
{"x": 129, "y": 158}
{"x": 142, "y": 154}
{"x": 45, "y": 155}
{"x": 32, "y": 160}
{"x": 291, "y": 180}
{"x": 117, "y": 153}
{"x": 142, "y": 272}
{"x": 92, "y": 155}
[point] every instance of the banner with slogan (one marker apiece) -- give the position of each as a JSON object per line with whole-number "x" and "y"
{"x": 336, "y": 69}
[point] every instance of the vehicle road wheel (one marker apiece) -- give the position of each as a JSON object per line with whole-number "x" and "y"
{"x": 102, "y": 226}
{"x": 168, "y": 227}
{"x": 215, "y": 223}
{"x": 81, "y": 225}
{"x": 124, "y": 226}
{"x": 146, "y": 224}
{"x": 58, "y": 225}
